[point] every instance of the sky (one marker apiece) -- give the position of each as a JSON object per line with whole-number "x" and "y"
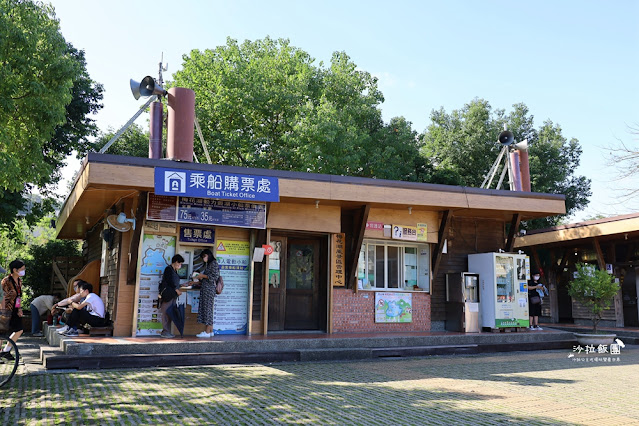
{"x": 572, "y": 62}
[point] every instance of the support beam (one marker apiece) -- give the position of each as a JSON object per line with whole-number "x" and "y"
{"x": 618, "y": 301}
{"x": 514, "y": 225}
{"x": 444, "y": 226}
{"x": 359, "y": 227}
{"x": 132, "y": 269}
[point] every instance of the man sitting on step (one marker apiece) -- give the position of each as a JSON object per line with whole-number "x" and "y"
{"x": 65, "y": 305}
{"x": 89, "y": 311}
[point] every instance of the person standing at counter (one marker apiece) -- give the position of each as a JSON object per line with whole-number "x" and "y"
{"x": 209, "y": 278}
{"x": 169, "y": 291}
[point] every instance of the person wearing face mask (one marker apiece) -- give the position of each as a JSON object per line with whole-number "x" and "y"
{"x": 209, "y": 278}
{"x": 534, "y": 301}
{"x": 12, "y": 302}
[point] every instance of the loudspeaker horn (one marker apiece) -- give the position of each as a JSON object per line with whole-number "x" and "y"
{"x": 147, "y": 87}
{"x": 521, "y": 146}
{"x": 506, "y": 137}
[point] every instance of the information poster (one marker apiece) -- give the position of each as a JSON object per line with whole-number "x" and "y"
{"x": 157, "y": 251}
{"x": 231, "y": 314}
{"x": 393, "y": 307}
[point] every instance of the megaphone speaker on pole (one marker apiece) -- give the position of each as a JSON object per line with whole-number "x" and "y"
{"x": 147, "y": 87}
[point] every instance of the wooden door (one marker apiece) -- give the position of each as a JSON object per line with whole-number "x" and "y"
{"x": 302, "y": 282}
{"x": 277, "y": 284}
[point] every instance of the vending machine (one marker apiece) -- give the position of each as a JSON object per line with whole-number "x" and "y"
{"x": 503, "y": 288}
{"x": 462, "y": 302}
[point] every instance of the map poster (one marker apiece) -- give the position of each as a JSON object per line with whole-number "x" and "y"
{"x": 231, "y": 307}
{"x": 157, "y": 251}
{"x": 393, "y": 307}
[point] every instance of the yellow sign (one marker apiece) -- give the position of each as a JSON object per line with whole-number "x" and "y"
{"x": 230, "y": 247}
{"x": 404, "y": 232}
{"x": 422, "y": 232}
{"x": 338, "y": 259}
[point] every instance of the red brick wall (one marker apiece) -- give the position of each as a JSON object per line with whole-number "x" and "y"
{"x": 354, "y": 313}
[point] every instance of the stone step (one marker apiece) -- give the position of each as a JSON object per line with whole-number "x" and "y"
{"x": 58, "y": 360}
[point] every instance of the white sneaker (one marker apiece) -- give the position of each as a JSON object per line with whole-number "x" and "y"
{"x": 62, "y": 330}
{"x": 204, "y": 335}
{"x": 538, "y": 328}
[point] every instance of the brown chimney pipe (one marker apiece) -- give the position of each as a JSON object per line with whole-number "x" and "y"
{"x": 181, "y": 119}
{"x": 524, "y": 166}
{"x": 514, "y": 163}
{"x": 155, "y": 131}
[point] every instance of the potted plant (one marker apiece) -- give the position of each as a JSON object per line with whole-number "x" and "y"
{"x": 595, "y": 290}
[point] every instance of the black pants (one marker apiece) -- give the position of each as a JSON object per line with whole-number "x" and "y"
{"x": 81, "y": 317}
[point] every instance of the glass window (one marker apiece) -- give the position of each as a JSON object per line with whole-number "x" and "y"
{"x": 393, "y": 266}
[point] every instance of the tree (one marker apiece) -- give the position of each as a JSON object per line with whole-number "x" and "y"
{"x": 464, "y": 143}
{"x": 265, "y": 104}
{"x": 134, "y": 142}
{"x": 46, "y": 96}
{"x": 624, "y": 157}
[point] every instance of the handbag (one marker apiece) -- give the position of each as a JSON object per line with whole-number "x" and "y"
{"x": 5, "y": 319}
{"x": 535, "y": 300}
{"x": 220, "y": 285}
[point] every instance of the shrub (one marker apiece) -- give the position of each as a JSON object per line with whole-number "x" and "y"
{"x": 594, "y": 289}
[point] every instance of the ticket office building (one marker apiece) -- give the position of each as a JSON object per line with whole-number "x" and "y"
{"x": 349, "y": 254}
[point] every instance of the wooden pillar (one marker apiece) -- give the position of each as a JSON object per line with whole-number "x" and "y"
{"x": 444, "y": 226}
{"x": 618, "y": 301}
{"x": 359, "y": 227}
{"x": 514, "y": 225}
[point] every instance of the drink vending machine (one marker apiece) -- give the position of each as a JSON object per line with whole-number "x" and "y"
{"x": 462, "y": 302}
{"x": 503, "y": 288}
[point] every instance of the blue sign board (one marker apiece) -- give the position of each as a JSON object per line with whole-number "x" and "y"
{"x": 224, "y": 186}
{"x": 222, "y": 213}
{"x": 196, "y": 234}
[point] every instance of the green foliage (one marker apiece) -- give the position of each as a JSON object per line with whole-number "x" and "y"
{"x": 594, "y": 289}
{"x": 39, "y": 264}
{"x": 266, "y": 104}
{"x": 45, "y": 98}
{"x": 464, "y": 144}
{"x": 134, "y": 142}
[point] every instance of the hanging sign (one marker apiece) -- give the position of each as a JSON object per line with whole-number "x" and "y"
{"x": 226, "y": 186}
{"x": 339, "y": 277}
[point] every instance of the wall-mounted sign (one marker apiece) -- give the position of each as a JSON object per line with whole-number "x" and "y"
{"x": 422, "y": 232}
{"x": 222, "y": 213}
{"x": 160, "y": 227}
{"x": 393, "y": 307}
{"x": 206, "y": 211}
{"x": 225, "y": 186}
{"x": 338, "y": 259}
{"x": 376, "y": 226}
{"x": 161, "y": 207}
{"x": 404, "y": 232}
{"x": 196, "y": 234}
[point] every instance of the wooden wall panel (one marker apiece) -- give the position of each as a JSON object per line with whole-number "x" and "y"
{"x": 466, "y": 236}
{"x": 304, "y": 217}
{"x": 403, "y": 217}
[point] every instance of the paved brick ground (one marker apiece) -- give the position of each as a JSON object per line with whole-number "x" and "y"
{"x": 526, "y": 387}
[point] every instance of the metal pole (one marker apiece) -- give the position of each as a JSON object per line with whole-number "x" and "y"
{"x": 128, "y": 123}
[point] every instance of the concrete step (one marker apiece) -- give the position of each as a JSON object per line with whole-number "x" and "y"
{"x": 58, "y": 360}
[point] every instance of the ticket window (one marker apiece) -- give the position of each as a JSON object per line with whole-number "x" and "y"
{"x": 192, "y": 261}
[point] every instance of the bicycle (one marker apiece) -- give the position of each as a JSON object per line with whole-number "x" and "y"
{"x": 8, "y": 363}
